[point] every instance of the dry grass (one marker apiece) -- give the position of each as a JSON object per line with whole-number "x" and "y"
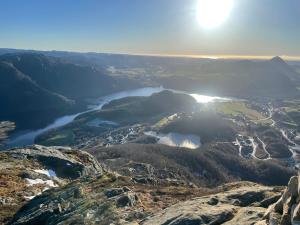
{"x": 239, "y": 108}
{"x": 10, "y": 188}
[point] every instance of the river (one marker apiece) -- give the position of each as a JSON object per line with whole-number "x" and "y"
{"x": 27, "y": 137}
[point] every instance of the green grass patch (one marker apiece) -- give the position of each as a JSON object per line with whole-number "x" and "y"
{"x": 64, "y": 137}
{"x": 240, "y": 109}
{"x": 291, "y": 109}
{"x": 161, "y": 122}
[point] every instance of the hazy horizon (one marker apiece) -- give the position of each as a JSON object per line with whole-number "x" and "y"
{"x": 248, "y": 29}
{"x": 216, "y": 57}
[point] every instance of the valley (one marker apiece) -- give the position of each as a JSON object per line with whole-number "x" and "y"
{"x": 148, "y": 140}
{"x": 173, "y": 112}
{"x": 27, "y": 137}
{"x": 251, "y": 127}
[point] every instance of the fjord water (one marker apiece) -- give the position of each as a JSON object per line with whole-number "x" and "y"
{"x": 27, "y": 137}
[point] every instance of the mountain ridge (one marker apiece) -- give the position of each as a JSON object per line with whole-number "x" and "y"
{"x": 26, "y": 78}
{"x": 20, "y": 95}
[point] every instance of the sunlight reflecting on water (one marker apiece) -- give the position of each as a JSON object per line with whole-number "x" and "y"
{"x": 177, "y": 140}
{"x": 208, "y": 99}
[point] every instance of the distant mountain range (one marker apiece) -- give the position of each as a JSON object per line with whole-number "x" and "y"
{"x": 38, "y": 86}
{"x": 240, "y": 78}
{"x": 245, "y": 79}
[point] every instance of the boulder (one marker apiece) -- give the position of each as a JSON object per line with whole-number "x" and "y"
{"x": 68, "y": 163}
{"x": 213, "y": 201}
{"x": 116, "y": 191}
{"x": 128, "y": 199}
{"x": 262, "y": 222}
{"x": 25, "y": 173}
{"x": 296, "y": 214}
{"x": 293, "y": 186}
{"x": 286, "y": 211}
{"x": 274, "y": 218}
{"x": 247, "y": 215}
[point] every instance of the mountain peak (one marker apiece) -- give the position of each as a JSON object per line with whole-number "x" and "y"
{"x": 277, "y": 59}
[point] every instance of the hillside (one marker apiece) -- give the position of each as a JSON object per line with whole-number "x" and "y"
{"x": 24, "y": 102}
{"x": 119, "y": 114}
{"x": 245, "y": 79}
{"x": 68, "y": 79}
{"x": 138, "y": 109}
{"x": 36, "y": 89}
{"x": 56, "y": 185}
{"x": 174, "y": 119}
{"x": 209, "y": 166}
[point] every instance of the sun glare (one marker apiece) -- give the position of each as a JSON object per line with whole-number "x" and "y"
{"x": 212, "y": 13}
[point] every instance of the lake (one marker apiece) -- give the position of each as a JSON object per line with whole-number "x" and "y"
{"x": 23, "y": 138}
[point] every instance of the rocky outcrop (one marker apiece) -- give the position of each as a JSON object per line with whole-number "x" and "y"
{"x": 84, "y": 201}
{"x": 111, "y": 199}
{"x": 286, "y": 211}
{"x": 55, "y": 185}
{"x": 243, "y": 205}
{"x": 66, "y": 162}
{"x": 27, "y": 172}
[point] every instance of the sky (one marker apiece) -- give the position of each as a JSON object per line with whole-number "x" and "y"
{"x": 162, "y": 27}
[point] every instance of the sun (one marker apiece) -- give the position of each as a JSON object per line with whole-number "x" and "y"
{"x": 212, "y": 13}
